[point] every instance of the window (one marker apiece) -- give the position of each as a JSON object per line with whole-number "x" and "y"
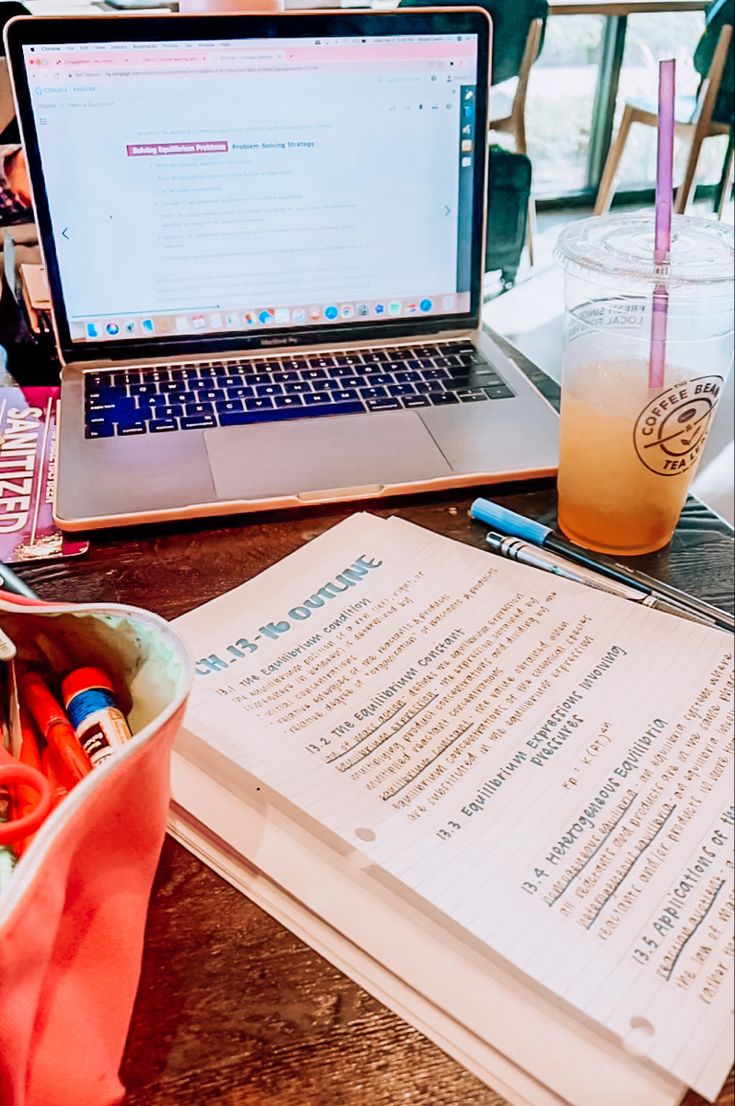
{"x": 560, "y": 100}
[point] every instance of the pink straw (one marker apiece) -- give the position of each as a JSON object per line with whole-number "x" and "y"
{"x": 664, "y": 205}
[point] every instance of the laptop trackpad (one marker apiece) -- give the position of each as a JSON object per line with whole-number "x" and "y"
{"x": 320, "y": 454}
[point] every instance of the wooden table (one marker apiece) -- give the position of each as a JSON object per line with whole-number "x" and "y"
{"x": 623, "y": 7}
{"x": 232, "y": 1009}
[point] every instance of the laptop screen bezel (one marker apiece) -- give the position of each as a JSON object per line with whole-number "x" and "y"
{"x": 37, "y": 30}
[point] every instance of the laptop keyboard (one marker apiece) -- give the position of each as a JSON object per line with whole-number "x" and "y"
{"x": 161, "y": 399}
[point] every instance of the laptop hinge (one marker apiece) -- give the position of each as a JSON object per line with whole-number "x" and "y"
{"x": 271, "y": 351}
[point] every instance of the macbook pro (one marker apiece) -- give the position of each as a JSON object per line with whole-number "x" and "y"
{"x": 264, "y": 239}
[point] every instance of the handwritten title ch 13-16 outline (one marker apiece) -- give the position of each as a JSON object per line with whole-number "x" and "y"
{"x": 244, "y": 646}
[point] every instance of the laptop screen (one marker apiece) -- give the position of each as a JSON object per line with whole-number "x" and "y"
{"x": 201, "y": 187}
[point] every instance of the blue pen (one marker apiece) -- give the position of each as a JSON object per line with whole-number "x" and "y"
{"x": 508, "y": 522}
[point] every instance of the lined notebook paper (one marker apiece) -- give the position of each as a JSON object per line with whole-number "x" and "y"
{"x": 545, "y": 766}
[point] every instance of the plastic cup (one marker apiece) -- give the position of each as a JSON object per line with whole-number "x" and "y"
{"x": 628, "y": 452}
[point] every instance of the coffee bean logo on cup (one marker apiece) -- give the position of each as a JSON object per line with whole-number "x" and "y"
{"x": 670, "y": 432}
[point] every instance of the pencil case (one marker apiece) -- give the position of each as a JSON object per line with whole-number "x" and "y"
{"x": 72, "y": 916}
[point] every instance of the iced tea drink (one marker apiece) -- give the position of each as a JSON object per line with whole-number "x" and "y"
{"x": 627, "y": 457}
{"x": 628, "y": 452}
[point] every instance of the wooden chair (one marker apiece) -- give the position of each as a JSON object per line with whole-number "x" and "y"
{"x": 511, "y": 117}
{"x": 511, "y": 114}
{"x": 726, "y": 180}
{"x": 694, "y": 123}
{"x": 518, "y": 31}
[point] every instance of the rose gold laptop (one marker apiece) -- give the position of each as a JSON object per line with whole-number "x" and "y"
{"x": 264, "y": 243}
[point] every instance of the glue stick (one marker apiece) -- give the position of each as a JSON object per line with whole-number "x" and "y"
{"x": 98, "y": 722}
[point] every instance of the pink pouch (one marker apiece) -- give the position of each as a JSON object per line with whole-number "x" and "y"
{"x": 72, "y": 917}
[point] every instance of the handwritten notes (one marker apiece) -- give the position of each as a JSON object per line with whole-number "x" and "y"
{"x": 547, "y": 765}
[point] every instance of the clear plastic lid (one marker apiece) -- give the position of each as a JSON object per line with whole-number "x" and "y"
{"x": 618, "y": 249}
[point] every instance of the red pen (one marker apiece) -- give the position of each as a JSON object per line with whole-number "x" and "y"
{"x": 28, "y": 753}
{"x": 54, "y": 771}
{"x": 49, "y": 716}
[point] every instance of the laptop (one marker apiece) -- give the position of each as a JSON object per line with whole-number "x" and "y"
{"x": 264, "y": 242}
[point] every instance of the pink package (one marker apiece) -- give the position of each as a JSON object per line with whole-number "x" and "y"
{"x": 72, "y": 916}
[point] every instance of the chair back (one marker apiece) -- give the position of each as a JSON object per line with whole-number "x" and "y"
{"x": 715, "y": 65}
{"x": 511, "y": 21}
{"x": 716, "y": 98}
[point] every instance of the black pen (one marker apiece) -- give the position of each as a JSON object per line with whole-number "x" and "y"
{"x": 508, "y": 522}
{"x": 10, "y": 582}
{"x": 534, "y": 557}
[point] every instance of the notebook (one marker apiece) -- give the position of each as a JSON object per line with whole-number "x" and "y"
{"x": 503, "y": 804}
{"x": 264, "y": 239}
